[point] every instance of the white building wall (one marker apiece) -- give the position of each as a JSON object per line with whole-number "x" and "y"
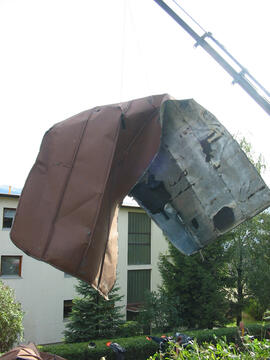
{"x": 42, "y": 289}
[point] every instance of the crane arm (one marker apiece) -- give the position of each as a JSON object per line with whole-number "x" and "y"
{"x": 238, "y": 77}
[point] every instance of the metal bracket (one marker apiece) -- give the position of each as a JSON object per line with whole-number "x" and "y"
{"x": 241, "y": 75}
{"x": 205, "y": 35}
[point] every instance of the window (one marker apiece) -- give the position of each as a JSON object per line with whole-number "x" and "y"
{"x": 139, "y": 239}
{"x": 66, "y": 275}
{"x": 67, "y": 308}
{"x": 11, "y": 265}
{"x": 138, "y": 282}
{"x": 8, "y": 217}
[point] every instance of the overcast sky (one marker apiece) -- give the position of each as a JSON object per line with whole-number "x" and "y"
{"x": 60, "y": 57}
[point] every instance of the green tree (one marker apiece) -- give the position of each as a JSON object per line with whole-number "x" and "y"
{"x": 238, "y": 250}
{"x": 11, "y": 316}
{"x": 247, "y": 248}
{"x": 159, "y": 313}
{"x": 92, "y": 316}
{"x": 197, "y": 285}
{"x": 258, "y": 279}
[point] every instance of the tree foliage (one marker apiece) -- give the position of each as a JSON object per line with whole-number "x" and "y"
{"x": 249, "y": 253}
{"x": 159, "y": 312}
{"x": 11, "y": 317}
{"x": 258, "y": 280}
{"x": 197, "y": 285}
{"x": 92, "y": 316}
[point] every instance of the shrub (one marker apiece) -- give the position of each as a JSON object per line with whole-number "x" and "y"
{"x": 254, "y": 309}
{"x": 11, "y": 316}
{"x": 130, "y": 328}
{"x": 136, "y": 348}
{"x": 159, "y": 312}
{"x": 139, "y": 348}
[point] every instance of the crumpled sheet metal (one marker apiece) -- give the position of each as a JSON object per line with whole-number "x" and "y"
{"x": 173, "y": 157}
{"x": 28, "y": 352}
{"x": 201, "y": 184}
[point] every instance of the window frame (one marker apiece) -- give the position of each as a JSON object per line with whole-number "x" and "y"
{"x": 67, "y": 308}
{"x": 140, "y": 245}
{"x": 3, "y": 219}
{"x": 19, "y": 274}
{"x": 132, "y": 302}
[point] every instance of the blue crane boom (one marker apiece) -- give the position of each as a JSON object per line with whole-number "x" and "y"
{"x": 243, "y": 78}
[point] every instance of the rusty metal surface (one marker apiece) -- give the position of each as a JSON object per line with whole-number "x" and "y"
{"x": 201, "y": 184}
{"x": 173, "y": 157}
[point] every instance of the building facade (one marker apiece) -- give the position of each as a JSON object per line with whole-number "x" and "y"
{"x": 46, "y": 293}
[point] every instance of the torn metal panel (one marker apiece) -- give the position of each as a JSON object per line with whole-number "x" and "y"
{"x": 201, "y": 184}
{"x": 172, "y": 156}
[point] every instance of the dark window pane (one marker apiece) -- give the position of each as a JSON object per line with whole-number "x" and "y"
{"x": 67, "y": 308}
{"x": 11, "y": 265}
{"x": 8, "y": 217}
{"x": 132, "y": 316}
{"x": 138, "y": 282}
{"x": 66, "y": 275}
{"x": 139, "y": 239}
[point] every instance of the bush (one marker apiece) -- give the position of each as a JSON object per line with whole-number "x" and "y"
{"x": 138, "y": 348}
{"x": 130, "y": 328}
{"x": 11, "y": 316}
{"x": 255, "y": 310}
{"x": 159, "y": 312}
{"x": 230, "y": 333}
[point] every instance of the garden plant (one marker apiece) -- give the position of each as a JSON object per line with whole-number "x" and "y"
{"x": 11, "y": 316}
{"x": 249, "y": 349}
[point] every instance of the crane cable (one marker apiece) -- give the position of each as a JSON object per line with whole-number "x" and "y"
{"x": 238, "y": 77}
{"x": 184, "y": 11}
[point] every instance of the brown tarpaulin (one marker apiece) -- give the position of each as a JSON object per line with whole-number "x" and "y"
{"x": 67, "y": 214}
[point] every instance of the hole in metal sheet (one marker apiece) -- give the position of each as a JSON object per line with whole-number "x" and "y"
{"x": 152, "y": 194}
{"x": 206, "y": 147}
{"x": 195, "y": 223}
{"x": 224, "y": 219}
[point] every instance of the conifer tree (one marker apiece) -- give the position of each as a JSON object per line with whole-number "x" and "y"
{"x": 197, "y": 285}
{"x": 92, "y": 316}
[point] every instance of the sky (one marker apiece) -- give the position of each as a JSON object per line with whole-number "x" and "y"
{"x": 60, "y": 57}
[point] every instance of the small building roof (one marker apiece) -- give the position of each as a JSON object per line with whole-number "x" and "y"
{"x": 130, "y": 202}
{"x": 8, "y": 190}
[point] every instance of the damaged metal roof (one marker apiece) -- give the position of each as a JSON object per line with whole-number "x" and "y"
{"x": 174, "y": 157}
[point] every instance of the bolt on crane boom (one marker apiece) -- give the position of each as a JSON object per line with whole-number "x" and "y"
{"x": 243, "y": 78}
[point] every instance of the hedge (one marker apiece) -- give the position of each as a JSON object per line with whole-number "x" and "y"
{"x": 138, "y": 348}
{"x": 230, "y": 333}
